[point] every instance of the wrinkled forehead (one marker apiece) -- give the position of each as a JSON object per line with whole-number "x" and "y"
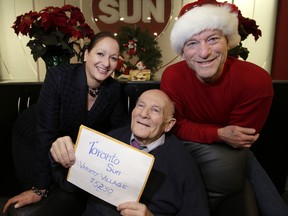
{"x": 206, "y": 33}
{"x": 157, "y": 98}
{"x": 154, "y": 100}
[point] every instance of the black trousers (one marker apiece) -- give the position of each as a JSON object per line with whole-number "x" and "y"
{"x": 224, "y": 173}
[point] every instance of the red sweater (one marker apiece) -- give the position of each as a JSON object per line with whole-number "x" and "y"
{"x": 242, "y": 96}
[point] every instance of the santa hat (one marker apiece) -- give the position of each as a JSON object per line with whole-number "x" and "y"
{"x": 201, "y": 15}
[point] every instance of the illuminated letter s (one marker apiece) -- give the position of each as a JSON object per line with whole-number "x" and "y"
{"x": 106, "y": 6}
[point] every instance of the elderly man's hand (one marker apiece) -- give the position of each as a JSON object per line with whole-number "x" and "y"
{"x": 62, "y": 151}
{"x": 134, "y": 208}
{"x": 238, "y": 137}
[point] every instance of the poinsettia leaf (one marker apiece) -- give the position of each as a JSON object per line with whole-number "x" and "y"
{"x": 50, "y": 40}
{"x": 37, "y": 50}
{"x": 239, "y": 51}
{"x": 243, "y": 53}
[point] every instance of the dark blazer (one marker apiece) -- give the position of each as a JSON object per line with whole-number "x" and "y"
{"x": 174, "y": 186}
{"x": 62, "y": 108}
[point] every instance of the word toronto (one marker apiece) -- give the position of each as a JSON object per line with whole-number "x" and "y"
{"x": 103, "y": 155}
{"x": 112, "y": 159}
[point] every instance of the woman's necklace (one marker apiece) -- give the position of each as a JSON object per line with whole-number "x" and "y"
{"x": 93, "y": 91}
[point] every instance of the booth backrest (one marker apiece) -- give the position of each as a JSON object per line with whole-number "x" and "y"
{"x": 271, "y": 149}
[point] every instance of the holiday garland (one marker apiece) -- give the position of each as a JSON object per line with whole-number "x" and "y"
{"x": 138, "y": 50}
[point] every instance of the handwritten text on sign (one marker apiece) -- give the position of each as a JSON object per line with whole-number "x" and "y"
{"x": 109, "y": 169}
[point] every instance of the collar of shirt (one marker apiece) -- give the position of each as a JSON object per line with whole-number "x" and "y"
{"x": 160, "y": 141}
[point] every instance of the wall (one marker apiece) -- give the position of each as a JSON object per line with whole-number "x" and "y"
{"x": 17, "y": 64}
{"x": 280, "y": 67}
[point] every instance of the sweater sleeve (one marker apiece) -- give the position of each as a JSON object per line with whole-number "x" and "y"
{"x": 253, "y": 95}
{"x": 47, "y": 119}
{"x": 184, "y": 128}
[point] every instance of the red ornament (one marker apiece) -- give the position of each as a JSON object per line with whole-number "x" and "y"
{"x": 131, "y": 47}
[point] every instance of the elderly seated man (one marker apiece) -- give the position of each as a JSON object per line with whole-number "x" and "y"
{"x": 174, "y": 186}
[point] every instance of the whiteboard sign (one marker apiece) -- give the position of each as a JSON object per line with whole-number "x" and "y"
{"x": 109, "y": 169}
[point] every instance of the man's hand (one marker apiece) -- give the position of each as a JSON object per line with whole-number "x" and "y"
{"x": 25, "y": 198}
{"x": 134, "y": 208}
{"x": 62, "y": 151}
{"x": 238, "y": 137}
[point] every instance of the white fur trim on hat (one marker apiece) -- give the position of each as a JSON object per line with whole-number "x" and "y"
{"x": 200, "y": 18}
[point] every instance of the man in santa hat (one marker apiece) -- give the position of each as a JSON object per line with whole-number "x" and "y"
{"x": 221, "y": 103}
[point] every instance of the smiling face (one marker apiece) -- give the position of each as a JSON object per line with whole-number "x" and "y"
{"x": 101, "y": 60}
{"x": 206, "y": 54}
{"x": 152, "y": 116}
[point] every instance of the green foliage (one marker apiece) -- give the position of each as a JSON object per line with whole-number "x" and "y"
{"x": 147, "y": 50}
{"x": 239, "y": 51}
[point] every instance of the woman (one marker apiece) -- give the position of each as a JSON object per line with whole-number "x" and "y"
{"x": 72, "y": 95}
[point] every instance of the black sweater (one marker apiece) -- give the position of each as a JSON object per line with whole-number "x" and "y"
{"x": 174, "y": 186}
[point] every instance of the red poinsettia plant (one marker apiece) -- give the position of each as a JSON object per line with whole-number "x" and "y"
{"x": 54, "y": 30}
{"x": 246, "y": 27}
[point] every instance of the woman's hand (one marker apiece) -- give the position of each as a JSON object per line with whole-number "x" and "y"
{"x": 23, "y": 199}
{"x": 62, "y": 151}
